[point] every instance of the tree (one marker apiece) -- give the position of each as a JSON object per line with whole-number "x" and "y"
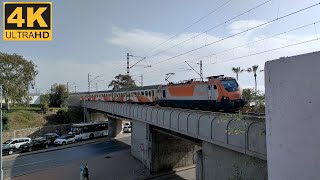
{"x": 254, "y": 69}
{"x": 248, "y": 95}
{"x": 16, "y": 74}
{"x": 59, "y": 95}
{"x": 44, "y": 101}
{"x": 237, "y": 70}
{"x": 255, "y": 97}
{"x": 122, "y": 81}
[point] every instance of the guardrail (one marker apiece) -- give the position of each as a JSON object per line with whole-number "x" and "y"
{"x": 241, "y": 133}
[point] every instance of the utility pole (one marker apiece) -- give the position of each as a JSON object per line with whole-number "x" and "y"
{"x": 128, "y": 67}
{"x": 96, "y": 86}
{"x": 201, "y": 73}
{"x": 75, "y": 89}
{"x": 88, "y": 82}
{"x": 141, "y": 79}
{"x": 128, "y": 64}
{"x": 1, "y": 88}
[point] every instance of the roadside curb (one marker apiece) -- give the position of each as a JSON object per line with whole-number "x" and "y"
{"x": 98, "y": 140}
{"x": 169, "y": 173}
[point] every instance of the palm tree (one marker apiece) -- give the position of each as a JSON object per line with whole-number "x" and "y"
{"x": 254, "y": 69}
{"x": 237, "y": 70}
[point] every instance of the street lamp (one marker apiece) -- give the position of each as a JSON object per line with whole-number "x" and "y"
{"x": 1, "y": 177}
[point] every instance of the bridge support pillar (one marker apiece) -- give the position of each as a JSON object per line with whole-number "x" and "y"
{"x": 169, "y": 152}
{"x": 140, "y": 142}
{"x": 114, "y": 127}
{"x": 160, "y": 152}
{"x": 221, "y": 163}
{"x": 88, "y": 115}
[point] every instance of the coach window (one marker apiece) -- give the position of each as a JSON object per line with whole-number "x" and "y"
{"x": 146, "y": 93}
{"x": 142, "y": 93}
{"x": 152, "y": 92}
{"x": 164, "y": 93}
{"x": 209, "y": 87}
{"x": 214, "y": 87}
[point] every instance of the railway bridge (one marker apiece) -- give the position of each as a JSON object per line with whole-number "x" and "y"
{"x": 229, "y": 146}
{"x": 221, "y": 145}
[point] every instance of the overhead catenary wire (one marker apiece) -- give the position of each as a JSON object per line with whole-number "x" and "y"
{"x": 269, "y": 50}
{"x": 194, "y": 60}
{"x": 236, "y": 34}
{"x": 192, "y": 24}
{"x": 210, "y": 29}
{"x": 278, "y": 18}
{"x": 257, "y": 53}
{"x": 252, "y": 42}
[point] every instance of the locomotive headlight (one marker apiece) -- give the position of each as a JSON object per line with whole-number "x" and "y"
{"x": 225, "y": 98}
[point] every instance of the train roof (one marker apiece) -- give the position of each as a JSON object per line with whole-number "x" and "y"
{"x": 119, "y": 90}
{"x": 137, "y": 88}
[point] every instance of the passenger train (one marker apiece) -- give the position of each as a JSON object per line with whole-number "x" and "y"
{"x": 217, "y": 93}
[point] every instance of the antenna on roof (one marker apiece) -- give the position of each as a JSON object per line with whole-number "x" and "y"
{"x": 168, "y": 75}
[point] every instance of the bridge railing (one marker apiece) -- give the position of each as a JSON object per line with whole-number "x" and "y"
{"x": 245, "y": 134}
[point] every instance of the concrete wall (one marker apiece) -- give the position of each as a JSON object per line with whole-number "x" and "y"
{"x": 221, "y": 163}
{"x": 114, "y": 127}
{"x": 34, "y": 132}
{"x": 292, "y": 117}
{"x": 169, "y": 152}
{"x": 97, "y": 116}
{"x": 158, "y": 151}
{"x": 140, "y": 142}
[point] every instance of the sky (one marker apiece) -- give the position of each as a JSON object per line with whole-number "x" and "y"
{"x": 93, "y": 37}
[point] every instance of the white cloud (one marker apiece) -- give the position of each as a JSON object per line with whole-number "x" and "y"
{"x": 242, "y": 25}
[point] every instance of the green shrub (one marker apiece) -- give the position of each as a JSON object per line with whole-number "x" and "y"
{"x": 63, "y": 117}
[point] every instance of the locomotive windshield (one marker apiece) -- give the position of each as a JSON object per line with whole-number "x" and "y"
{"x": 230, "y": 85}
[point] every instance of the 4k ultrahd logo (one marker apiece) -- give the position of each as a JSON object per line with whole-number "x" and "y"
{"x": 27, "y": 21}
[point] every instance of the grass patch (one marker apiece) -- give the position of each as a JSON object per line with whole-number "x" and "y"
{"x": 19, "y": 119}
{"x": 26, "y": 117}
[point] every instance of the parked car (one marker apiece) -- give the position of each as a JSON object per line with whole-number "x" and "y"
{"x": 51, "y": 137}
{"x": 38, "y": 143}
{"x": 17, "y": 142}
{"x": 65, "y": 139}
{"x": 6, "y": 149}
{"x": 12, "y": 145}
{"x": 127, "y": 127}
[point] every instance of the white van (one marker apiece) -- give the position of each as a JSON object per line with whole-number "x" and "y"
{"x": 16, "y": 142}
{"x": 127, "y": 127}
